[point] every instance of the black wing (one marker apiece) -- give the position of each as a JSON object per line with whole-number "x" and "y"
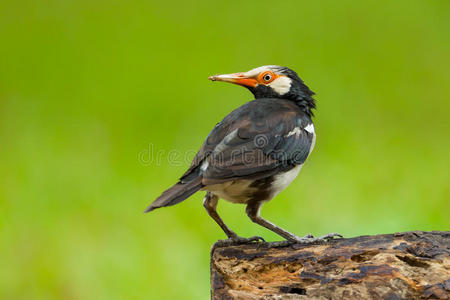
{"x": 259, "y": 139}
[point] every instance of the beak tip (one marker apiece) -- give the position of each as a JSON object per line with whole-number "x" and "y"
{"x": 212, "y": 78}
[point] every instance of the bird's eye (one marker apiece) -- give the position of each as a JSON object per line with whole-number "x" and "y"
{"x": 267, "y": 77}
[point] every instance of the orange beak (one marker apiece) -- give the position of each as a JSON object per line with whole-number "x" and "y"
{"x": 236, "y": 78}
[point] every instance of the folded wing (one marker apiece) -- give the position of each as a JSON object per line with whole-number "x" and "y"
{"x": 259, "y": 139}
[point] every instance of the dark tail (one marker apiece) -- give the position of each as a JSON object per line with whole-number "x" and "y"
{"x": 176, "y": 194}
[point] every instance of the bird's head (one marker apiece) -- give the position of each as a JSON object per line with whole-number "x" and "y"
{"x": 273, "y": 82}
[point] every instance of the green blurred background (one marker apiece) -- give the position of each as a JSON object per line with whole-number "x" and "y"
{"x": 89, "y": 89}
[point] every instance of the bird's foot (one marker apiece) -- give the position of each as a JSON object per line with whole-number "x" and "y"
{"x": 308, "y": 236}
{"x": 306, "y": 240}
{"x": 237, "y": 240}
{"x": 330, "y": 236}
{"x": 310, "y": 239}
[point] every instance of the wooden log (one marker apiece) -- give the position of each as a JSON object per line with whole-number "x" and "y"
{"x": 409, "y": 265}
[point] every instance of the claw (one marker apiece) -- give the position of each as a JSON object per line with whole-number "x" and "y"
{"x": 330, "y": 236}
{"x": 310, "y": 239}
{"x": 256, "y": 239}
{"x": 306, "y": 240}
{"x": 237, "y": 240}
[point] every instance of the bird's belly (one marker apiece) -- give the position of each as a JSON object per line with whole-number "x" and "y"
{"x": 244, "y": 190}
{"x": 283, "y": 180}
{"x": 236, "y": 191}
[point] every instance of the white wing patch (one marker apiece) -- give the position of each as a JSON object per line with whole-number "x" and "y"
{"x": 310, "y": 128}
{"x": 222, "y": 145}
{"x": 313, "y": 143}
{"x": 295, "y": 131}
{"x": 204, "y": 165}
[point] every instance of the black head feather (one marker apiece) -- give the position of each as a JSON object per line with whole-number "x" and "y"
{"x": 298, "y": 91}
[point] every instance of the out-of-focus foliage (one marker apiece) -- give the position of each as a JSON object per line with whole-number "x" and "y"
{"x": 101, "y": 101}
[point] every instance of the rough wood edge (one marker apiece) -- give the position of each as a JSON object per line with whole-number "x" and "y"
{"x": 408, "y": 265}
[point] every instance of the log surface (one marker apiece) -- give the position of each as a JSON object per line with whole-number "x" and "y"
{"x": 409, "y": 265}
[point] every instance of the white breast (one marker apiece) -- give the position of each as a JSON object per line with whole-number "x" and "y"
{"x": 283, "y": 180}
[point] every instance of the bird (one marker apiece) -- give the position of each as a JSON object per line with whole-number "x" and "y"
{"x": 255, "y": 152}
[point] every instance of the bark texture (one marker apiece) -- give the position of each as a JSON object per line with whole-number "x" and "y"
{"x": 409, "y": 265}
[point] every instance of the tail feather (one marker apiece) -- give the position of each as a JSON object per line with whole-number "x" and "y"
{"x": 176, "y": 194}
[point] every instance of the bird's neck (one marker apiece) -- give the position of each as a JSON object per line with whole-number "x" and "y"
{"x": 307, "y": 104}
{"x": 300, "y": 94}
{"x": 303, "y": 96}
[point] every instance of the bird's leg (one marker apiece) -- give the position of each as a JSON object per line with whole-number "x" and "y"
{"x": 253, "y": 209}
{"x": 210, "y": 204}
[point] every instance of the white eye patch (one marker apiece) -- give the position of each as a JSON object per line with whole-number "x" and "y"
{"x": 281, "y": 85}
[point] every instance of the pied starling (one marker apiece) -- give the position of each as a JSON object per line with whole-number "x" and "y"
{"x": 255, "y": 152}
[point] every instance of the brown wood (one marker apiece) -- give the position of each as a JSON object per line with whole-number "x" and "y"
{"x": 409, "y": 265}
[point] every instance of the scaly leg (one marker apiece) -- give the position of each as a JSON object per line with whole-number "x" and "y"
{"x": 210, "y": 204}
{"x": 253, "y": 209}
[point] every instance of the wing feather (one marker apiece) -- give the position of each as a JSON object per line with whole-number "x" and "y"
{"x": 258, "y": 139}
